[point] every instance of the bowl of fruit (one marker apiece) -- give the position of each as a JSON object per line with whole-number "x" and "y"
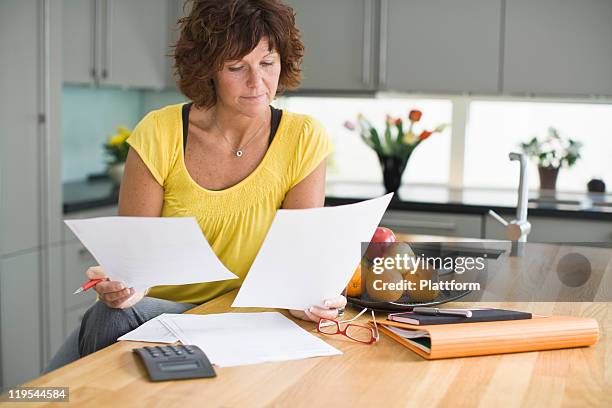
{"x": 390, "y": 277}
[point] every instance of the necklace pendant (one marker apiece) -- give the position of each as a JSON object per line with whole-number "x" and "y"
{"x": 239, "y": 153}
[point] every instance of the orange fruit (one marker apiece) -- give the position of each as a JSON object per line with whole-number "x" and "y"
{"x": 353, "y": 288}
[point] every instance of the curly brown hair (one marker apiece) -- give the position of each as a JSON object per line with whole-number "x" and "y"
{"x": 217, "y": 31}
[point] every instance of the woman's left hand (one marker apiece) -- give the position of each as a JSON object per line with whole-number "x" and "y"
{"x": 314, "y": 313}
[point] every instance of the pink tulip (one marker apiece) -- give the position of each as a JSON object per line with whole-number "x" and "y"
{"x": 349, "y": 125}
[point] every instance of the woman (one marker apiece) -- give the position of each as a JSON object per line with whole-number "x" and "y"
{"x": 228, "y": 158}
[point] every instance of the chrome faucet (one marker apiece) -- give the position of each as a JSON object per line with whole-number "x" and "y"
{"x": 517, "y": 230}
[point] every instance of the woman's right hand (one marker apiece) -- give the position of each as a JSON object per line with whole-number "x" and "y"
{"x": 112, "y": 293}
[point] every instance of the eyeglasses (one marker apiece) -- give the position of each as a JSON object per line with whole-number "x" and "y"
{"x": 354, "y": 331}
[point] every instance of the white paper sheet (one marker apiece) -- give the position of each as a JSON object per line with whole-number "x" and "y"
{"x": 148, "y": 251}
{"x": 152, "y": 331}
{"x": 232, "y": 339}
{"x": 310, "y": 255}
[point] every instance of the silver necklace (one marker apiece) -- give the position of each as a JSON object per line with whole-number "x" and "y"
{"x": 240, "y": 150}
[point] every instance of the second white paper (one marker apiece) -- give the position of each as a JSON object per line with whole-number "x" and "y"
{"x": 310, "y": 255}
{"x": 148, "y": 251}
{"x": 233, "y": 339}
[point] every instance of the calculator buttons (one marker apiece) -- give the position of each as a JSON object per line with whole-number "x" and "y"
{"x": 175, "y": 362}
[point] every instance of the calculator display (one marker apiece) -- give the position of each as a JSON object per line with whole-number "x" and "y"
{"x": 178, "y": 366}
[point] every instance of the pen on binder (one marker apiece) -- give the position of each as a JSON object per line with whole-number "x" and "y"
{"x": 87, "y": 285}
{"x": 433, "y": 311}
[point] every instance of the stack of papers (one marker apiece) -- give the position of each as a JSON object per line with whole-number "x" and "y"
{"x": 152, "y": 331}
{"x": 232, "y": 339}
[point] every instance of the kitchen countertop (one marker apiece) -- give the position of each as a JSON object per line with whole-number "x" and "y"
{"x": 85, "y": 195}
{"x": 89, "y": 194}
{"x": 385, "y": 374}
{"x": 474, "y": 200}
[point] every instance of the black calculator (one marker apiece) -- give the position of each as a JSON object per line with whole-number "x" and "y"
{"x": 175, "y": 362}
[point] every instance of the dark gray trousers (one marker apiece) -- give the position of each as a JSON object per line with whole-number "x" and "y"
{"x": 102, "y": 325}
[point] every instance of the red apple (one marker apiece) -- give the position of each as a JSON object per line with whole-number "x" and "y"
{"x": 383, "y": 237}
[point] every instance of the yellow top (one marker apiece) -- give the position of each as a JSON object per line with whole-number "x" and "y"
{"x": 235, "y": 221}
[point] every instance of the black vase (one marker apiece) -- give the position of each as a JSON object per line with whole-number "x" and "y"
{"x": 393, "y": 168}
{"x": 548, "y": 177}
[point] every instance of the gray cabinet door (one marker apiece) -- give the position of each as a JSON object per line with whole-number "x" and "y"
{"x": 178, "y": 9}
{"x": 20, "y": 318}
{"x": 19, "y": 133}
{"x": 79, "y": 37}
{"x": 135, "y": 43}
{"x": 545, "y": 229}
{"x": 433, "y": 224}
{"x": 558, "y": 47}
{"x": 440, "y": 45}
{"x": 338, "y": 42}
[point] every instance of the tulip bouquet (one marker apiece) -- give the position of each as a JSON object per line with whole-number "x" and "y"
{"x": 395, "y": 141}
{"x": 395, "y": 145}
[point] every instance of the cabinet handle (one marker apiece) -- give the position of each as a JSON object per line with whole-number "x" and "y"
{"x": 108, "y": 29}
{"x": 97, "y": 21}
{"x": 382, "y": 57}
{"x": 92, "y": 71}
{"x": 83, "y": 251}
{"x": 439, "y": 225}
{"x": 367, "y": 42}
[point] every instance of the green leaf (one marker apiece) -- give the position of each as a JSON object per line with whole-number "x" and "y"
{"x": 376, "y": 141}
{"x": 389, "y": 145}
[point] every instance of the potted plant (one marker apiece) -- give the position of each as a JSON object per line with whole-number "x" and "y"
{"x": 550, "y": 153}
{"x": 395, "y": 146}
{"x": 117, "y": 149}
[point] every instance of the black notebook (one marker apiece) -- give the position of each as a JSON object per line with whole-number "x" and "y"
{"x": 478, "y": 315}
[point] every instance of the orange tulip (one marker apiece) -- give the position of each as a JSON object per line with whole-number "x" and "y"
{"x": 424, "y": 135}
{"x": 414, "y": 115}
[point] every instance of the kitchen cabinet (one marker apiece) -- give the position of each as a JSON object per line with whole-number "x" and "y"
{"x": 558, "y": 47}
{"x": 544, "y": 229}
{"x": 118, "y": 42}
{"x": 30, "y": 146}
{"x": 431, "y": 223}
{"x": 76, "y": 261}
{"x": 107, "y": 211}
{"x": 78, "y": 38}
{"x": 30, "y": 186}
{"x": 339, "y": 43}
{"x": 21, "y": 134}
{"x": 440, "y": 45}
{"x": 178, "y": 9}
{"x": 20, "y": 318}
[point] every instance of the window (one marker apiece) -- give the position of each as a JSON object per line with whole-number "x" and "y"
{"x": 354, "y": 161}
{"x": 496, "y": 128}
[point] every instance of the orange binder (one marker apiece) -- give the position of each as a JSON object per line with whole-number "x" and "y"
{"x": 484, "y": 338}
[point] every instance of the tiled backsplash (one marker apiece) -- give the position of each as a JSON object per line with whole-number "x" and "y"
{"x": 91, "y": 114}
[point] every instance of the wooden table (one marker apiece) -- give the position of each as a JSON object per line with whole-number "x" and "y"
{"x": 385, "y": 374}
